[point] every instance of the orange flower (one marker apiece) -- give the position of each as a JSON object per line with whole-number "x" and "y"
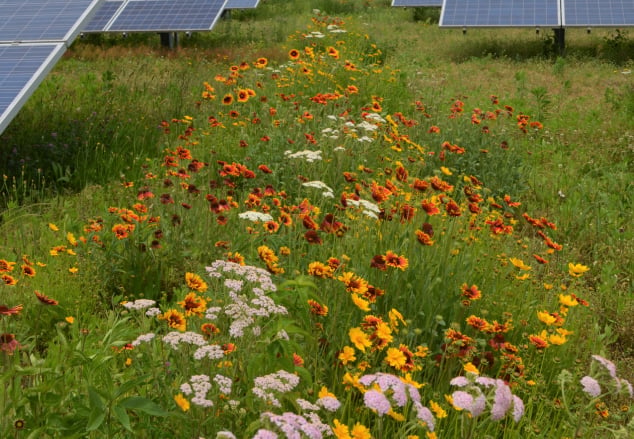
{"x": 6, "y": 266}
{"x": 227, "y": 99}
{"x": 471, "y": 292}
{"x": 317, "y": 309}
{"x": 6, "y": 311}
{"x": 396, "y": 261}
{"x": 333, "y": 52}
{"x": 174, "y": 319}
{"x": 9, "y": 280}
{"x": 193, "y": 305}
{"x": 45, "y": 300}
{"x": 195, "y": 282}
{"x": 293, "y": 54}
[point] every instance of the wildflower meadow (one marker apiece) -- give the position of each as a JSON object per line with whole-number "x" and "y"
{"x": 315, "y": 249}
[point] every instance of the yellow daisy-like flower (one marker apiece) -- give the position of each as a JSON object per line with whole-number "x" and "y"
{"x": 567, "y": 300}
{"x": 437, "y": 409}
{"x": 70, "y": 319}
{"x": 350, "y": 380}
{"x": 361, "y": 303}
{"x": 577, "y": 270}
{"x": 546, "y": 317}
{"x": 470, "y": 368}
{"x": 445, "y": 170}
{"x": 347, "y": 355}
{"x": 359, "y": 339}
{"x": 195, "y": 282}
{"x": 174, "y": 319}
{"x": 360, "y": 431}
{"x": 324, "y": 393}
{"x": 53, "y": 227}
{"x": 182, "y": 402}
{"x": 341, "y": 431}
{"x": 396, "y": 318}
{"x": 519, "y": 264}
{"x": 395, "y": 358}
{"x": 396, "y": 416}
{"x": 193, "y": 304}
{"x": 557, "y": 339}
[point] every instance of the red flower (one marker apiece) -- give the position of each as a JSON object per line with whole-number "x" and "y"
{"x": 6, "y": 311}
{"x": 45, "y": 300}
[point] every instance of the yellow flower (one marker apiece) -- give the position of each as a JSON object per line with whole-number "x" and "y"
{"x": 470, "y": 368}
{"x": 71, "y": 239}
{"x": 70, "y": 319}
{"x": 445, "y": 170}
{"x": 361, "y": 303}
{"x": 568, "y": 300}
{"x": 324, "y": 393}
{"x": 340, "y": 430}
{"x": 73, "y": 270}
{"x": 431, "y": 435}
{"x": 347, "y": 355}
{"x": 174, "y": 319}
{"x": 396, "y": 416}
{"x": 395, "y": 318}
{"x": 395, "y": 358}
{"x": 359, "y": 339}
{"x": 128, "y": 361}
{"x": 360, "y": 431}
{"x": 53, "y": 227}
{"x": 523, "y": 277}
{"x": 181, "y": 402}
{"x": 350, "y": 380}
{"x": 519, "y": 264}
{"x": 577, "y": 270}
{"x": 546, "y": 317}
{"x": 437, "y": 409}
{"x": 557, "y": 339}
{"x": 195, "y": 282}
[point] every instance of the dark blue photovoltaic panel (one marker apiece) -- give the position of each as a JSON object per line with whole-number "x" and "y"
{"x": 166, "y": 15}
{"x": 43, "y": 20}
{"x": 103, "y": 15}
{"x": 416, "y": 3}
{"x": 22, "y": 68}
{"x": 241, "y": 4}
{"x": 494, "y": 13}
{"x": 598, "y": 13}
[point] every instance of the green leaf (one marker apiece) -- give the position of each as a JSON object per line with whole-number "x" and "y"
{"x": 142, "y": 404}
{"x": 122, "y": 416}
{"x": 95, "y": 419}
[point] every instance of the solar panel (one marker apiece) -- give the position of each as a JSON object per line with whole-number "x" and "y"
{"x": 104, "y": 14}
{"x": 156, "y": 16}
{"x": 42, "y": 20}
{"x": 22, "y": 69}
{"x": 416, "y": 3}
{"x": 494, "y": 13}
{"x": 614, "y": 13}
{"x": 242, "y": 4}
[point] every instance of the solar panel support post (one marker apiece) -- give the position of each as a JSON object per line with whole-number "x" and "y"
{"x": 560, "y": 40}
{"x": 169, "y": 39}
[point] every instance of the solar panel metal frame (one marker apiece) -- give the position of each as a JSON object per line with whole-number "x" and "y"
{"x": 597, "y": 13}
{"x": 242, "y": 4}
{"x": 416, "y": 3}
{"x": 158, "y": 16}
{"x": 472, "y": 10}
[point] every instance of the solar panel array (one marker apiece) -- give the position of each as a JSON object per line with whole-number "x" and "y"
{"x": 34, "y": 34}
{"x": 156, "y": 16}
{"x": 537, "y": 13}
{"x": 416, "y": 3}
{"x": 242, "y": 4}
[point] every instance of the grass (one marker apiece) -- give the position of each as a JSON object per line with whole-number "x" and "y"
{"x": 123, "y": 181}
